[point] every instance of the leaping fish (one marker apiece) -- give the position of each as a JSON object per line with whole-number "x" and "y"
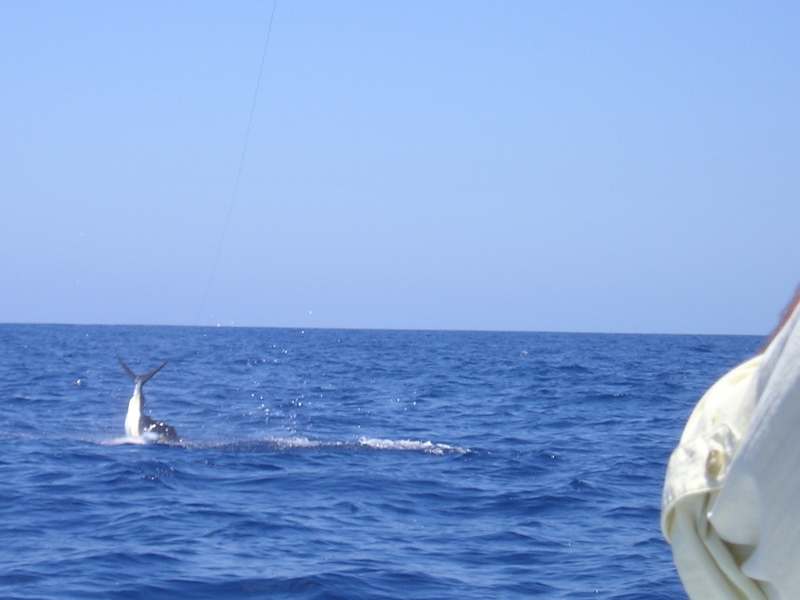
{"x": 139, "y": 425}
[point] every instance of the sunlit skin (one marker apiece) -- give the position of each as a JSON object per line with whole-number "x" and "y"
{"x": 787, "y": 312}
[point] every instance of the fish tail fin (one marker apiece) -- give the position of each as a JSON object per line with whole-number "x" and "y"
{"x": 143, "y": 378}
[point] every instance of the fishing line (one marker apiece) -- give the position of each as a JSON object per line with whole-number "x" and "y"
{"x": 239, "y": 173}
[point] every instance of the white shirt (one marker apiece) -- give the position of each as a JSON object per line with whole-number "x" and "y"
{"x": 731, "y": 502}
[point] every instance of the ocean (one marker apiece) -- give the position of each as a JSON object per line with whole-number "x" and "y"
{"x": 344, "y": 464}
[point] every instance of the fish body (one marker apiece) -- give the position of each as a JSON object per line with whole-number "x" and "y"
{"x": 138, "y": 425}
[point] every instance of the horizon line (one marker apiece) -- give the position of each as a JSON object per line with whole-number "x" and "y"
{"x": 408, "y": 329}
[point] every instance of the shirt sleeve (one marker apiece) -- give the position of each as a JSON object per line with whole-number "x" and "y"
{"x": 731, "y": 501}
{"x": 707, "y": 566}
{"x": 758, "y": 507}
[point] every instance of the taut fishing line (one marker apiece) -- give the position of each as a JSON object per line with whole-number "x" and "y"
{"x": 239, "y": 173}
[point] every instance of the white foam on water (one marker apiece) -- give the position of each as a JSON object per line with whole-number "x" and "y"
{"x": 145, "y": 439}
{"x": 411, "y": 445}
{"x": 304, "y": 443}
{"x": 301, "y": 442}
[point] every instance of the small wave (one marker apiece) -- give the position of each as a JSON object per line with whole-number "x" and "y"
{"x": 304, "y": 443}
{"x": 573, "y": 368}
{"x": 300, "y": 442}
{"x": 273, "y": 444}
{"x": 144, "y": 440}
{"x": 412, "y": 445}
{"x": 370, "y": 443}
{"x": 121, "y": 441}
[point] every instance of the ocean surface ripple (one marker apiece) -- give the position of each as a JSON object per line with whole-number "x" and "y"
{"x": 344, "y": 464}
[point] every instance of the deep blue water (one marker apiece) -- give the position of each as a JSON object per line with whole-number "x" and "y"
{"x": 344, "y": 464}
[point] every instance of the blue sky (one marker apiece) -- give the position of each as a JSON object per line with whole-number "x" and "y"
{"x": 581, "y": 166}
